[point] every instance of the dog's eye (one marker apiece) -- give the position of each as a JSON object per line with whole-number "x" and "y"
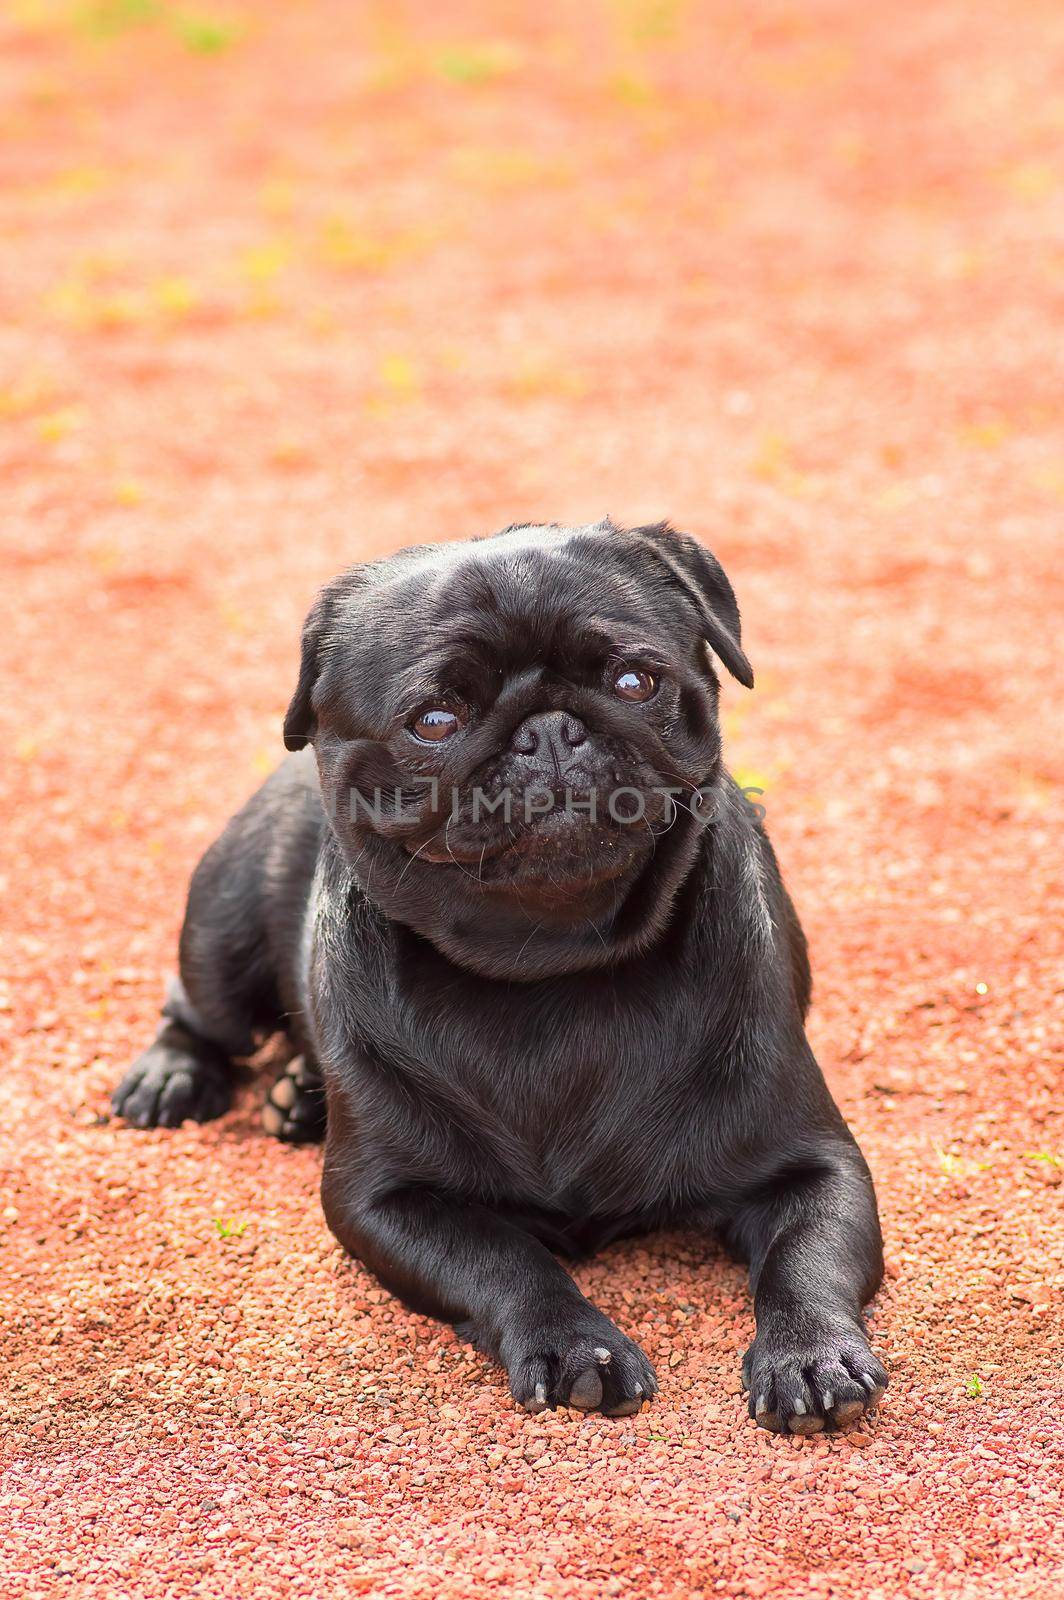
{"x": 632, "y": 683}
{"x": 433, "y": 724}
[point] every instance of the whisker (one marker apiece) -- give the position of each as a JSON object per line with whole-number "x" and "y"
{"x": 413, "y": 857}
{"x": 454, "y": 858}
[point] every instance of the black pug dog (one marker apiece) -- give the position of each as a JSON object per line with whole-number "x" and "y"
{"x": 543, "y": 984}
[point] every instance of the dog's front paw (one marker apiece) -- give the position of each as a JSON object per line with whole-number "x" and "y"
{"x": 577, "y": 1357}
{"x": 173, "y": 1081}
{"x": 802, "y": 1383}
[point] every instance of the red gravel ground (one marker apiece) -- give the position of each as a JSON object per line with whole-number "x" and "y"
{"x": 287, "y": 285}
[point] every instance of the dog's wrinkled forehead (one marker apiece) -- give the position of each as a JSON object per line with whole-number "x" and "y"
{"x": 509, "y": 562}
{"x": 514, "y": 544}
{"x": 520, "y": 597}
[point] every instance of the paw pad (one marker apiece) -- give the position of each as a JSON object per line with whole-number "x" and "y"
{"x": 295, "y": 1106}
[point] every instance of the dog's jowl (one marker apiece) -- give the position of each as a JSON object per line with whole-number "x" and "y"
{"x": 542, "y": 983}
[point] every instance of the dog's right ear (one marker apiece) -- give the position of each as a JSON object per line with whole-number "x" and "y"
{"x": 300, "y": 723}
{"x": 327, "y": 618}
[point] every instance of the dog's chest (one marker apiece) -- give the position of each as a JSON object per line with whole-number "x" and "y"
{"x": 568, "y": 1097}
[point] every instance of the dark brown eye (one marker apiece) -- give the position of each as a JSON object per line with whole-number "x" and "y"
{"x": 631, "y": 683}
{"x": 433, "y": 724}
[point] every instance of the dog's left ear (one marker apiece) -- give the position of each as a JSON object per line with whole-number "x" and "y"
{"x": 703, "y": 579}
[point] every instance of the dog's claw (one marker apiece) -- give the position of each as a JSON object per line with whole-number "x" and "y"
{"x": 537, "y": 1401}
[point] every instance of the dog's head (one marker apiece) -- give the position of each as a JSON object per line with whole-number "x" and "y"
{"x": 511, "y": 734}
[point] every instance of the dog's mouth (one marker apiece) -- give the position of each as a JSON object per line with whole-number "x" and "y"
{"x": 573, "y": 839}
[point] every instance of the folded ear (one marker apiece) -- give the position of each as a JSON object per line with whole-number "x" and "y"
{"x": 703, "y": 579}
{"x": 323, "y": 619}
{"x": 300, "y": 724}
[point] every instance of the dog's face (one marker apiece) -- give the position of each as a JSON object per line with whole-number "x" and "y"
{"x": 510, "y": 731}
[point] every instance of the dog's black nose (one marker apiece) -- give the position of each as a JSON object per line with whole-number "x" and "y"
{"x": 550, "y": 735}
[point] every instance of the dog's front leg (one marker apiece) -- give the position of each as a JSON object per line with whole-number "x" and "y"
{"x": 813, "y": 1242}
{"x": 505, "y": 1291}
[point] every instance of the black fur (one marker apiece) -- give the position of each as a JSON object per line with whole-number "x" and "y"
{"x": 535, "y": 1034}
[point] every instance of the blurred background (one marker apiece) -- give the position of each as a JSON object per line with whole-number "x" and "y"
{"x": 285, "y": 285}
